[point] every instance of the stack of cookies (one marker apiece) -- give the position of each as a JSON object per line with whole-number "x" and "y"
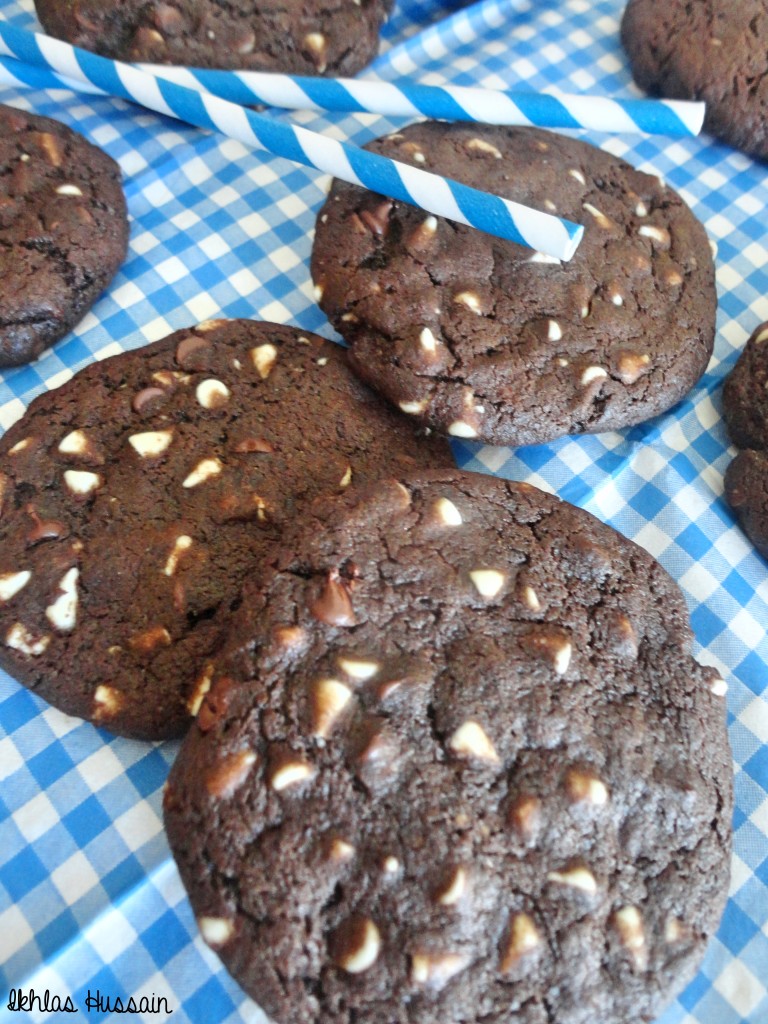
{"x": 448, "y": 755}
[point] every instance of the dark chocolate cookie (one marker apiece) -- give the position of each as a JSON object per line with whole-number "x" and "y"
{"x": 457, "y": 764}
{"x": 136, "y": 498}
{"x": 63, "y": 231}
{"x": 306, "y": 37}
{"x": 745, "y": 410}
{"x": 712, "y": 50}
{"x": 485, "y": 339}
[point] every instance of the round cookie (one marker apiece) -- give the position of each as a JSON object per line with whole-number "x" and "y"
{"x": 457, "y": 764}
{"x": 485, "y": 339}
{"x": 745, "y": 410}
{"x": 63, "y": 229}
{"x": 712, "y": 50}
{"x": 136, "y": 498}
{"x": 304, "y": 37}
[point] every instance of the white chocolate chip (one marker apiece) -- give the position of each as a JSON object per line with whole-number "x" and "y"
{"x": 674, "y": 930}
{"x": 451, "y": 893}
{"x": 414, "y": 408}
{"x": 543, "y": 257}
{"x": 562, "y": 658}
{"x": 62, "y": 614}
{"x": 428, "y": 341}
{"x": 641, "y": 210}
{"x": 358, "y": 669}
{"x": 107, "y": 701}
{"x": 364, "y": 952}
{"x": 599, "y": 216}
{"x": 552, "y": 207}
{"x": 349, "y": 318}
{"x": 212, "y": 393}
{"x": 21, "y": 639}
{"x": 436, "y": 969}
{"x": 317, "y": 291}
{"x": 80, "y": 482}
{"x": 481, "y": 146}
{"x": 12, "y": 582}
{"x": 459, "y": 428}
{"x": 447, "y": 512}
{"x": 673, "y": 278}
{"x": 391, "y": 865}
{"x": 316, "y": 44}
{"x": 719, "y": 687}
{"x": 471, "y": 740}
{"x": 263, "y": 357}
{"x": 203, "y": 471}
{"x": 656, "y": 234}
{"x": 180, "y": 545}
{"x": 468, "y": 299}
{"x": 20, "y": 446}
{"x": 226, "y": 777}
{"x": 629, "y": 924}
{"x": 523, "y": 938}
{"x": 531, "y": 599}
{"x": 341, "y": 850}
{"x": 574, "y": 173}
{"x": 575, "y": 878}
{"x": 632, "y": 366}
{"x": 75, "y": 443}
{"x": 151, "y": 443}
{"x": 585, "y": 788}
{"x": 429, "y": 224}
{"x": 291, "y": 773}
{"x": 69, "y": 190}
{"x": 330, "y": 697}
{"x": 617, "y": 299}
{"x": 216, "y": 930}
{"x": 761, "y": 336}
{"x": 346, "y": 480}
{"x": 554, "y": 330}
{"x": 593, "y": 373}
{"x": 487, "y": 582}
{"x": 202, "y": 686}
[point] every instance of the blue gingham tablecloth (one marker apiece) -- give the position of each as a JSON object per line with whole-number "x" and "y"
{"x": 90, "y": 900}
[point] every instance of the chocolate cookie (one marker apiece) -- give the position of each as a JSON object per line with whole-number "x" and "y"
{"x": 745, "y": 410}
{"x": 712, "y": 50}
{"x": 485, "y": 339}
{"x": 457, "y": 764}
{"x": 136, "y": 498}
{"x": 63, "y": 231}
{"x": 305, "y": 37}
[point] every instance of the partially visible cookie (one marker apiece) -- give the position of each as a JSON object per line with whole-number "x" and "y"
{"x": 712, "y": 50}
{"x": 745, "y": 410}
{"x": 305, "y": 37}
{"x": 457, "y": 764}
{"x": 486, "y": 339}
{"x": 136, "y": 498}
{"x": 63, "y": 231}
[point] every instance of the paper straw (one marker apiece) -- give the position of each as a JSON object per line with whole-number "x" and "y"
{"x": 449, "y": 103}
{"x": 436, "y": 195}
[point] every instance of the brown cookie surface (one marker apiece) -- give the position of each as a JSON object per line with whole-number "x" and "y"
{"x": 485, "y": 339}
{"x": 457, "y": 764}
{"x": 137, "y": 497}
{"x": 306, "y": 37}
{"x": 746, "y": 488}
{"x": 63, "y": 231}
{"x": 711, "y": 50}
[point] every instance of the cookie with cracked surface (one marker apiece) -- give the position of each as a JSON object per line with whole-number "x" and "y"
{"x": 484, "y": 339}
{"x": 745, "y": 410}
{"x": 136, "y": 498}
{"x": 63, "y": 229}
{"x": 711, "y": 50}
{"x": 304, "y": 37}
{"x": 457, "y": 763}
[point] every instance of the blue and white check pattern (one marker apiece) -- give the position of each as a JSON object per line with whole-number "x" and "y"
{"x": 89, "y": 898}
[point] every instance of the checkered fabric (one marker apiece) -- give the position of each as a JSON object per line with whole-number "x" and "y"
{"x": 89, "y": 896}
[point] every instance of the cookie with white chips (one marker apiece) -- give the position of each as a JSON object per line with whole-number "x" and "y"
{"x": 63, "y": 231}
{"x": 136, "y": 498}
{"x": 457, "y": 764}
{"x": 483, "y": 338}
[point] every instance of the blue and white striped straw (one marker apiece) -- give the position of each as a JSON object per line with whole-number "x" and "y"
{"x": 448, "y": 103}
{"x": 439, "y": 196}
